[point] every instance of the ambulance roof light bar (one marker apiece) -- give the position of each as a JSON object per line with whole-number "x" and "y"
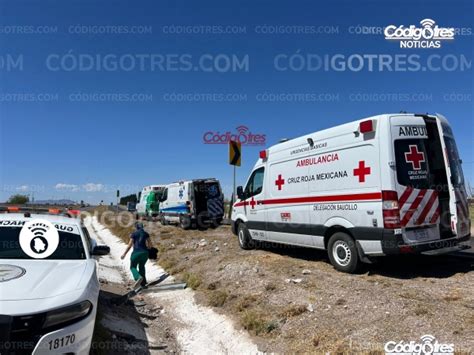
{"x": 263, "y": 154}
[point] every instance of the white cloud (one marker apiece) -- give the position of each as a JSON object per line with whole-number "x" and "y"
{"x": 91, "y": 187}
{"x": 67, "y": 187}
{"x": 23, "y": 188}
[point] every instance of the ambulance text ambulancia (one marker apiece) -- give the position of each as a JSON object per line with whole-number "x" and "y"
{"x": 387, "y": 184}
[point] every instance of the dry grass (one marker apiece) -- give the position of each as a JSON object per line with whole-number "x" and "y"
{"x": 421, "y": 310}
{"x": 453, "y": 295}
{"x": 257, "y": 323}
{"x": 217, "y": 298}
{"x": 192, "y": 280}
{"x": 270, "y": 286}
{"x": 293, "y": 311}
{"x": 245, "y": 302}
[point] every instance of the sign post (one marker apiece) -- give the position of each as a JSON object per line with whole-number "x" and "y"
{"x": 118, "y": 200}
{"x": 235, "y": 157}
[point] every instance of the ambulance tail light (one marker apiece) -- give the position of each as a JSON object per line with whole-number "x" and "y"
{"x": 263, "y": 154}
{"x": 366, "y": 126}
{"x": 390, "y": 210}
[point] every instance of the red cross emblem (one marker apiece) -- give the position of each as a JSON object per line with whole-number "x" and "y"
{"x": 252, "y": 203}
{"x": 279, "y": 182}
{"x": 414, "y": 157}
{"x": 361, "y": 171}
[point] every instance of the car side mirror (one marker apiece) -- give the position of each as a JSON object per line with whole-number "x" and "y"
{"x": 101, "y": 250}
{"x": 240, "y": 193}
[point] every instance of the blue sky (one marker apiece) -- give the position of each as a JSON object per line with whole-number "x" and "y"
{"x": 62, "y": 147}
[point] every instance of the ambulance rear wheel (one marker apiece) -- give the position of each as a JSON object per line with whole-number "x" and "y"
{"x": 184, "y": 222}
{"x": 245, "y": 240}
{"x": 342, "y": 252}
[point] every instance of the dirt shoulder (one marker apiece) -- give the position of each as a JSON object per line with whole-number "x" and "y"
{"x": 292, "y": 300}
{"x": 125, "y": 326}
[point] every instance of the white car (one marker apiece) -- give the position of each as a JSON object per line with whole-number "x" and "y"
{"x": 48, "y": 284}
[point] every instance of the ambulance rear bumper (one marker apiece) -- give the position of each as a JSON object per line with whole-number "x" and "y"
{"x": 393, "y": 244}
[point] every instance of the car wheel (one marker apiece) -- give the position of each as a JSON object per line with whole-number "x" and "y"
{"x": 184, "y": 222}
{"x": 163, "y": 220}
{"x": 342, "y": 252}
{"x": 245, "y": 240}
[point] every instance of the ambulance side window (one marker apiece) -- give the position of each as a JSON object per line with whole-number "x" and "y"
{"x": 255, "y": 184}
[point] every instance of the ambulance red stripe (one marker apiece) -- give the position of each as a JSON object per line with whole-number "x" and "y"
{"x": 413, "y": 207}
{"x": 435, "y": 216}
{"x": 427, "y": 208}
{"x": 404, "y": 197}
{"x": 310, "y": 199}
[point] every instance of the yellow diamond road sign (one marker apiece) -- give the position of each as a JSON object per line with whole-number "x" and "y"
{"x": 235, "y": 153}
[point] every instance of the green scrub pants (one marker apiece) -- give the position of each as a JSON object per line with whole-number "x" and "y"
{"x": 138, "y": 258}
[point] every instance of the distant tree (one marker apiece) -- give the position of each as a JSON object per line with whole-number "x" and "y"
{"x": 129, "y": 198}
{"x": 19, "y": 199}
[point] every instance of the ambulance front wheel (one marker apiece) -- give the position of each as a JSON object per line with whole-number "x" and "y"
{"x": 163, "y": 220}
{"x": 245, "y": 240}
{"x": 342, "y": 252}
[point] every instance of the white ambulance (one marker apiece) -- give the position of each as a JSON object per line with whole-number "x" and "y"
{"x": 193, "y": 203}
{"x": 387, "y": 184}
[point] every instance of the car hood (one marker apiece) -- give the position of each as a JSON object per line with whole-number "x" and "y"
{"x": 42, "y": 278}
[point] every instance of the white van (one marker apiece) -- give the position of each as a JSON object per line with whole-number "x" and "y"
{"x": 149, "y": 201}
{"x": 193, "y": 203}
{"x": 387, "y": 184}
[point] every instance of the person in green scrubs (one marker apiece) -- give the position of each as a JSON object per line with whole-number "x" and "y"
{"x": 140, "y": 241}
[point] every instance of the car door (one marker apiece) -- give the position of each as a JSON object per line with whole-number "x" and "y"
{"x": 254, "y": 208}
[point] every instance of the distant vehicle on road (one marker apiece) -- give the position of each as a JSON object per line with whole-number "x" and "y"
{"x": 131, "y": 206}
{"x": 387, "y": 184}
{"x": 193, "y": 203}
{"x": 48, "y": 284}
{"x": 149, "y": 201}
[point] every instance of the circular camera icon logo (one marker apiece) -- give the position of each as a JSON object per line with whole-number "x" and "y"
{"x": 39, "y": 238}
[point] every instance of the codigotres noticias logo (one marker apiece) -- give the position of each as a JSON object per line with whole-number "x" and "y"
{"x": 39, "y": 238}
{"x": 429, "y": 36}
{"x": 242, "y": 135}
{"x": 428, "y": 346}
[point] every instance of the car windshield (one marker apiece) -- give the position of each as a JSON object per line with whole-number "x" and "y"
{"x": 70, "y": 246}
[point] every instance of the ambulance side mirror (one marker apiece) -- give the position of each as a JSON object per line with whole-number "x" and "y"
{"x": 240, "y": 193}
{"x": 100, "y": 250}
